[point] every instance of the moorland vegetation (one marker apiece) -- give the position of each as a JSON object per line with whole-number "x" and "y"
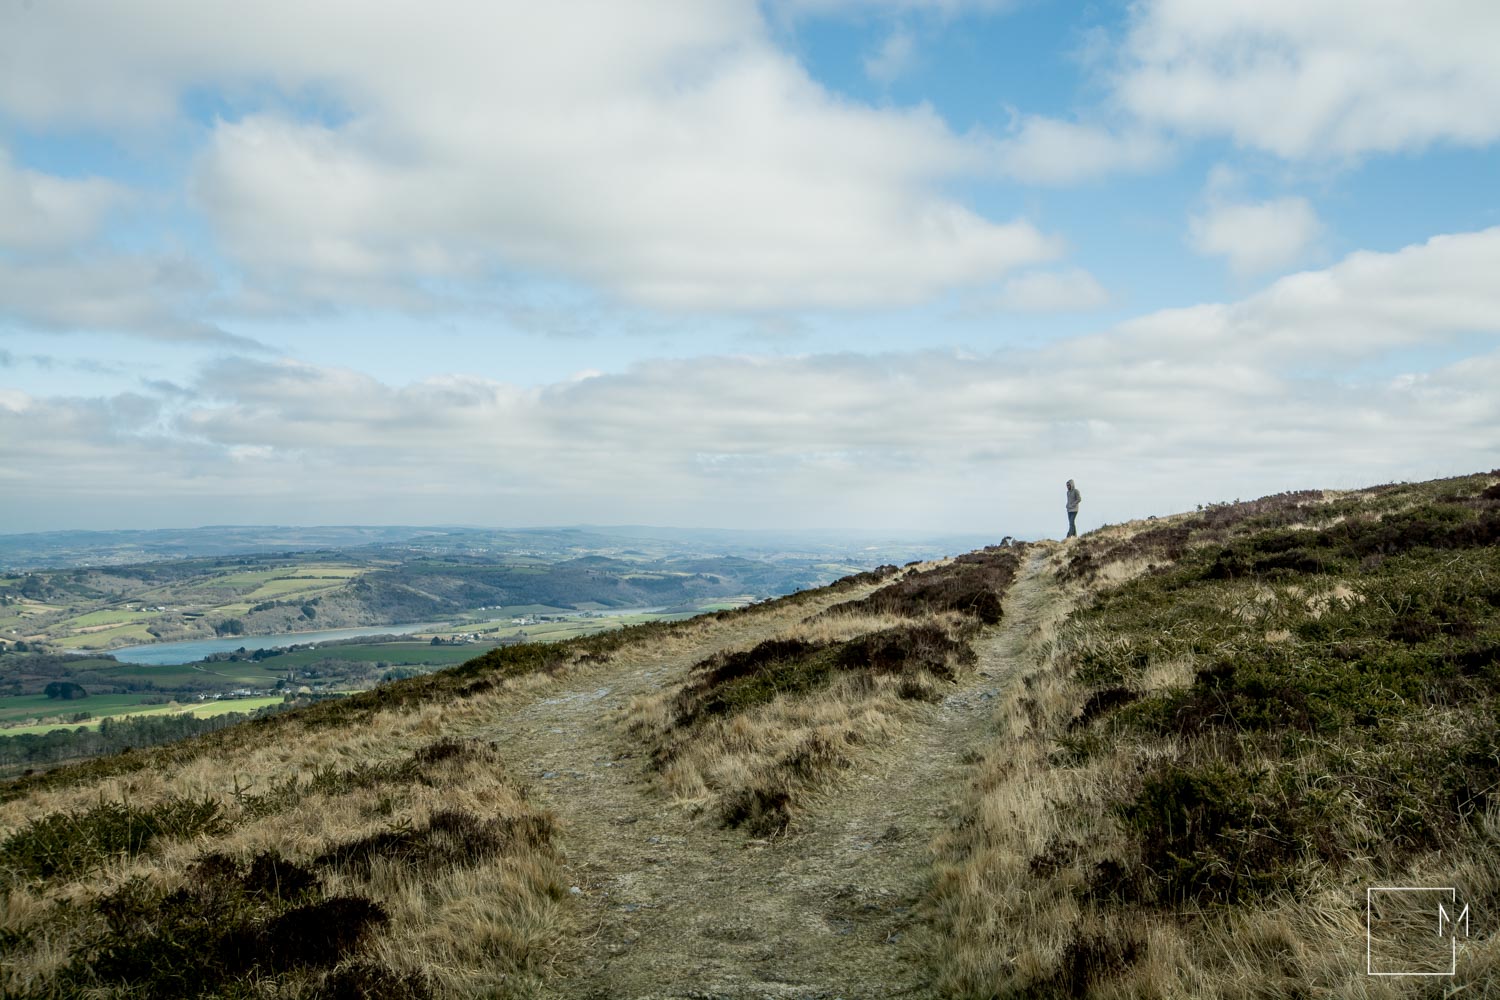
{"x": 1210, "y": 733}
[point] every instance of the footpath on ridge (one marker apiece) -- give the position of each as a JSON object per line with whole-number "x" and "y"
{"x": 674, "y": 907}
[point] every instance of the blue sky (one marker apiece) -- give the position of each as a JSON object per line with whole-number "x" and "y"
{"x": 893, "y": 264}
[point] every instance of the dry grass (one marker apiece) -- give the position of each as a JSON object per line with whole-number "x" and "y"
{"x": 1026, "y": 899}
{"x": 486, "y": 916}
{"x": 749, "y": 751}
{"x": 770, "y": 758}
{"x": 479, "y": 923}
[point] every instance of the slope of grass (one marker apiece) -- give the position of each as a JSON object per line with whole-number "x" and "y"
{"x": 412, "y": 863}
{"x": 1252, "y": 714}
{"x": 334, "y": 881}
{"x": 755, "y": 732}
{"x": 1285, "y": 702}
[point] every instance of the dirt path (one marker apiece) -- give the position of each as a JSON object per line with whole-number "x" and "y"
{"x": 676, "y": 908}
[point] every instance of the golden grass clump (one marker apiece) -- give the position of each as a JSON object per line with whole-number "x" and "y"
{"x": 1261, "y": 680}
{"x": 443, "y": 875}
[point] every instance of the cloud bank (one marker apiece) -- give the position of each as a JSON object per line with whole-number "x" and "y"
{"x": 670, "y": 155}
{"x": 1316, "y": 80}
{"x": 1227, "y": 394}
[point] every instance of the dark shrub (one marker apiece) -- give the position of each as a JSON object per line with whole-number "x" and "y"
{"x": 370, "y": 981}
{"x": 1102, "y": 701}
{"x": 1092, "y": 958}
{"x": 1278, "y": 508}
{"x": 1206, "y": 834}
{"x": 1110, "y": 879}
{"x": 65, "y": 845}
{"x": 875, "y": 575}
{"x": 320, "y": 934}
{"x": 449, "y": 748}
{"x": 1054, "y": 857}
{"x": 762, "y": 811}
{"x": 972, "y": 584}
{"x": 450, "y": 838}
{"x": 275, "y": 877}
{"x": 730, "y": 683}
{"x": 181, "y": 944}
{"x": 1164, "y": 544}
{"x": 907, "y": 649}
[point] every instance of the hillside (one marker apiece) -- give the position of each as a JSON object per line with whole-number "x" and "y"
{"x": 1165, "y": 759}
{"x": 104, "y": 607}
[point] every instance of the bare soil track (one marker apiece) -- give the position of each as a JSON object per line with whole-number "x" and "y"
{"x": 674, "y": 907}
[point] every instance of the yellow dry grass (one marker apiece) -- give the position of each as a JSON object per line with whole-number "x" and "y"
{"x": 1011, "y": 896}
{"x": 794, "y": 744}
{"x": 493, "y": 928}
{"x": 483, "y": 930}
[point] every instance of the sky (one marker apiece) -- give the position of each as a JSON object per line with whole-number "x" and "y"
{"x": 888, "y": 265}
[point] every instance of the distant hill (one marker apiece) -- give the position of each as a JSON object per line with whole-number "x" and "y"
{"x": 63, "y": 549}
{"x": 466, "y": 577}
{"x": 1168, "y": 758}
{"x": 66, "y": 549}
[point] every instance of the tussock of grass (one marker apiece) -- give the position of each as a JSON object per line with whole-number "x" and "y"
{"x": 971, "y": 584}
{"x": 754, "y": 732}
{"x": 219, "y": 931}
{"x": 67, "y": 845}
{"x": 1260, "y": 710}
{"x": 351, "y": 876}
{"x": 450, "y": 837}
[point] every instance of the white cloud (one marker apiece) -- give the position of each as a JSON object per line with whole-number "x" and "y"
{"x": 1050, "y": 151}
{"x": 39, "y": 212}
{"x": 1256, "y": 237}
{"x": 944, "y": 7}
{"x": 893, "y": 59}
{"x": 1317, "y": 80}
{"x": 1071, "y": 290}
{"x": 1175, "y": 408}
{"x": 670, "y": 154}
{"x": 1364, "y": 306}
{"x": 159, "y": 298}
{"x": 57, "y": 272}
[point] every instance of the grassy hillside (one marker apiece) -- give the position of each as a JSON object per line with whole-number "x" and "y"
{"x": 1255, "y": 714}
{"x": 1165, "y": 759}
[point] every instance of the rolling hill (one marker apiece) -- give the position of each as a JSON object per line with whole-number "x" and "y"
{"x": 1169, "y": 758}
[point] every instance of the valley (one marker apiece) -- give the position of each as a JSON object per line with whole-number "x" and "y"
{"x": 1162, "y": 760}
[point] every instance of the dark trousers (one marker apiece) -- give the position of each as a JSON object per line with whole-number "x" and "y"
{"x": 1072, "y": 524}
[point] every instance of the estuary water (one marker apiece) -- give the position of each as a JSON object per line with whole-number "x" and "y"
{"x": 167, "y": 653}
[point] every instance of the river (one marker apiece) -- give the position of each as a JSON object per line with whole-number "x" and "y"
{"x": 167, "y": 653}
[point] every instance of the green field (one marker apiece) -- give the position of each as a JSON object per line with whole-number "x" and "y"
{"x": 283, "y": 588}
{"x": 336, "y": 666}
{"x": 249, "y": 578}
{"x": 405, "y": 654}
{"x": 35, "y": 608}
{"x": 163, "y": 675}
{"x": 240, "y": 673}
{"x": 32, "y": 706}
{"x": 102, "y": 638}
{"x": 109, "y": 617}
{"x": 202, "y": 710}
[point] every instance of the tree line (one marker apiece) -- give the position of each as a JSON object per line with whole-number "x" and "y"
{"x": 114, "y": 735}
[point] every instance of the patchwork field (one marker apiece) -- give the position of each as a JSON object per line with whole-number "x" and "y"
{"x": 202, "y": 710}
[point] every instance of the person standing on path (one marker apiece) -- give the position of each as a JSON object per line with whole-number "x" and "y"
{"x": 1074, "y": 498}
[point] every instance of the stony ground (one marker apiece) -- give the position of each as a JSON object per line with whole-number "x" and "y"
{"x": 674, "y": 907}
